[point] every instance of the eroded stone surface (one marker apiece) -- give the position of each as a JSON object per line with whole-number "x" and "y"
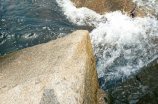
{"x": 60, "y": 71}
{"x": 148, "y": 76}
{"x": 149, "y": 98}
{"x": 103, "y": 6}
{"x": 103, "y": 97}
{"x": 49, "y": 97}
{"x": 143, "y": 89}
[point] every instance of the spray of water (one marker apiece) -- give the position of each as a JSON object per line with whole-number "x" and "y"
{"x": 122, "y": 45}
{"x": 150, "y": 4}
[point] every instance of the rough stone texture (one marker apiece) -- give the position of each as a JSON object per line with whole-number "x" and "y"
{"x": 103, "y": 97}
{"x": 148, "y": 76}
{"x": 142, "y": 11}
{"x": 143, "y": 89}
{"x": 58, "y": 72}
{"x": 49, "y": 97}
{"x": 128, "y": 92}
{"x": 102, "y": 6}
{"x": 148, "y": 99}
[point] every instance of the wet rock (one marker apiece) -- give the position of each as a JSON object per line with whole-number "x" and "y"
{"x": 142, "y": 11}
{"x": 149, "y": 98}
{"x": 127, "y": 92}
{"x": 125, "y": 6}
{"x": 142, "y": 89}
{"x": 148, "y": 76}
{"x": 58, "y": 72}
{"x": 156, "y": 91}
{"x": 102, "y": 6}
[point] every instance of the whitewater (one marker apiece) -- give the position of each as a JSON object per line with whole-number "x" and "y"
{"x": 122, "y": 45}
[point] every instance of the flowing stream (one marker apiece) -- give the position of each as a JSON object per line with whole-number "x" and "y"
{"x": 122, "y": 45}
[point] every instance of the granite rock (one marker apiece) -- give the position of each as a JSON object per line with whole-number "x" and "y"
{"x": 106, "y": 6}
{"x": 61, "y": 71}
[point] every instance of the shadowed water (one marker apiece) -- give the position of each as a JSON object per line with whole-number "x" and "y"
{"x": 26, "y": 23}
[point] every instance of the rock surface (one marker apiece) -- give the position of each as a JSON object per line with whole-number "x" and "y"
{"x": 127, "y": 92}
{"x": 149, "y": 75}
{"x": 103, "y": 97}
{"x": 143, "y": 89}
{"x": 58, "y": 72}
{"x": 102, "y": 6}
{"x": 149, "y": 98}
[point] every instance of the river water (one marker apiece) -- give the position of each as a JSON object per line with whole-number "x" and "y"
{"x": 122, "y": 45}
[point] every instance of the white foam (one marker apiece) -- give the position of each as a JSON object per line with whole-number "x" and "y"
{"x": 122, "y": 45}
{"x": 122, "y": 38}
{"x": 80, "y": 16}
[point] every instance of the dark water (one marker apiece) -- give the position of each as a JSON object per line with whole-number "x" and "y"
{"x": 24, "y": 23}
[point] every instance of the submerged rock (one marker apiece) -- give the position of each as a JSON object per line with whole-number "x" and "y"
{"x": 143, "y": 89}
{"x": 125, "y": 6}
{"x": 149, "y": 98}
{"x": 58, "y": 72}
{"x": 148, "y": 76}
{"x": 127, "y": 92}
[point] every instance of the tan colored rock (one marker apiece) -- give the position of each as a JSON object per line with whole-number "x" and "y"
{"x": 142, "y": 11}
{"x": 103, "y": 97}
{"x": 58, "y": 72}
{"x": 102, "y": 6}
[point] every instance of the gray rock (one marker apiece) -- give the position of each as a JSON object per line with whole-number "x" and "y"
{"x": 143, "y": 89}
{"x": 148, "y": 76}
{"x": 149, "y": 98}
{"x": 127, "y": 92}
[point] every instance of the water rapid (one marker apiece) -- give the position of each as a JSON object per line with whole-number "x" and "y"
{"x": 122, "y": 45}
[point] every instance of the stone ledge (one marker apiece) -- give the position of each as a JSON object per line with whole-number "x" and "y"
{"x": 107, "y": 6}
{"x": 58, "y": 72}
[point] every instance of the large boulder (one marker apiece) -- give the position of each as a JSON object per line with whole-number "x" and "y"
{"x": 58, "y": 72}
{"x": 125, "y": 6}
{"x": 102, "y": 6}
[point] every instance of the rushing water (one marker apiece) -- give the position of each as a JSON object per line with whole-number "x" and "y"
{"x": 122, "y": 45}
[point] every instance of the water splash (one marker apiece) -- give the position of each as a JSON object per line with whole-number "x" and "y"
{"x": 122, "y": 45}
{"x": 150, "y": 4}
{"x": 80, "y": 16}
